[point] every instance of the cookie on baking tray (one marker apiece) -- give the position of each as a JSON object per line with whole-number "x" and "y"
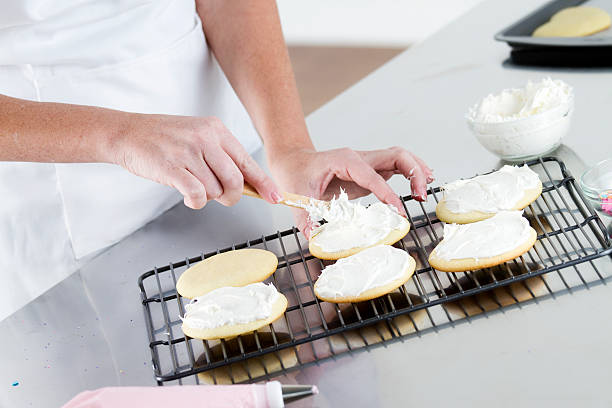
{"x": 231, "y": 311}
{"x": 366, "y": 275}
{"x": 481, "y": 197}
{"x": 574, "y": 22}
{"x": 503, "y": 237}
{"x": 352, "y": 227}
{"x": 445, "y": 215}
{"x": 391, "y": 238}
{"x": 233, "y": 268}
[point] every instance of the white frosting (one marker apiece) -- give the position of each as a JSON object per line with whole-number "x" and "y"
{"x": 370, "y": 268}
{"x": 231, "y": 305}
{"x": 352, "y": 225}
{"x": 504, "y": 232}
{"x": 518, "y": 103}
{"x": 490, "y": 193}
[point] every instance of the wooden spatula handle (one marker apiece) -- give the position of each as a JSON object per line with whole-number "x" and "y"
{"x": 250, "y": 191}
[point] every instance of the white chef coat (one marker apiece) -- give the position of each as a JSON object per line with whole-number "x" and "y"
{"x": 132, "y": 55}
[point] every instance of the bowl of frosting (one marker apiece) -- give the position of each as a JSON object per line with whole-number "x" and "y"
{"x": 523, "y": 123}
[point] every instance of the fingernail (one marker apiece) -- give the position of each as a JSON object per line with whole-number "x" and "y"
{"x": 276, "y": 197}
{"x": 430, "y": 179}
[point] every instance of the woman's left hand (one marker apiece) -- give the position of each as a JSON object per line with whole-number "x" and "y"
{"x": 322, "y": 174}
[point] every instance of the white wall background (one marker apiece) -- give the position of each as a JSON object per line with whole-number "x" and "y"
{"x": 377, "y": 23}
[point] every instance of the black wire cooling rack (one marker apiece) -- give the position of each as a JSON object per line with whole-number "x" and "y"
{"x": 571, "y": 238}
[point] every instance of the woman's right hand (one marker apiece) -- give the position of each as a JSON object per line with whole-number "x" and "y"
{"x": 197, "y": 156}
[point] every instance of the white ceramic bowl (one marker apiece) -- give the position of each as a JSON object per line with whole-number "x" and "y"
{"x": 525, "y": 138}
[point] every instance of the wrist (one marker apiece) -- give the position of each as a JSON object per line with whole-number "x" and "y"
{"x": 282, "y": 142}
{"x": 115, "y": 129}
{"x": 284, "y": 149}
{"x": 283, "y": 133}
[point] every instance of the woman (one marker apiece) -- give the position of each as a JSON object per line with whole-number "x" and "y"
{"x": 109, "y": 108}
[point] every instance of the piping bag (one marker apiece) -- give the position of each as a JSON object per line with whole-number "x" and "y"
{"x": 268, "y": 395}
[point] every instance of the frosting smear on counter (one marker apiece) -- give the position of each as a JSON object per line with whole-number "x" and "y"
{"x": 230, "y": 306}
{"x": 494, "y": 236}
{"x": 490, "y": 193}
{"x": 352, "y": 225}
{"x": 371, "y": 268}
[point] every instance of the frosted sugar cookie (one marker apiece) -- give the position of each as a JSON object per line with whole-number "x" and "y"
{"x": 351, "y": 227}
{"x": 478, "y": 198}
{"x": 574, "y": 22}
{"x": 366, "y": 275}
{"x": 482, "y": 244}
{"x": 254, "y": 367}
{"x": 231, "y": 311}
{"x": 232, "y": 268}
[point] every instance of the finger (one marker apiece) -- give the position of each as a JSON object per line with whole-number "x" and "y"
{"x": 204, "y": 174}
{"x": 303, "y": 222}
{"x": 227, "y": 173}
{"x": 418, "y": 185}
{"x": 364, "y": 175}
{"x": 426, "y": 170}
{"x": 386, "y": 174}
{"x": 193, "y": 191}
{"x": 251, "y": 171}
{"x": 406, "y": 163}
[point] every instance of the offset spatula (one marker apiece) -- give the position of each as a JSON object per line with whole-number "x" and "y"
{"x": 289, "y": 199}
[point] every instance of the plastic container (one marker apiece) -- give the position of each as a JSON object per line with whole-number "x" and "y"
{"x": 596, "y": 185}
{"x": 525, "y": 138}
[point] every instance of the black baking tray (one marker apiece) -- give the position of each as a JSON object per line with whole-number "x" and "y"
{"x": 590, "y": 51}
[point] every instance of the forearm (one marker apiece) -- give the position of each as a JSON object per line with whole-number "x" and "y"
{"x": 56, "y": 132}
{"x": 247, "y": 40}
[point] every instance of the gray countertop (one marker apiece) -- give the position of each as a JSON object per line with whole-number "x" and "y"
{"x": 88, "y": 331}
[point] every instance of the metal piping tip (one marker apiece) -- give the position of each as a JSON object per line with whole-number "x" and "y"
{"x": 296, "y": 392}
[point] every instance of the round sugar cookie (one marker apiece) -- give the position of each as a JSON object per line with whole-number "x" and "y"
{"x": 468, "y": 264}
{"x": 233, "y": 268}
{"x": 574, "y": 22}
{"x": 374, "y": 292}
{"x": 393, "y": 237}
{"x": 229, "y": 331}
{"x": 445, "y": 215}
